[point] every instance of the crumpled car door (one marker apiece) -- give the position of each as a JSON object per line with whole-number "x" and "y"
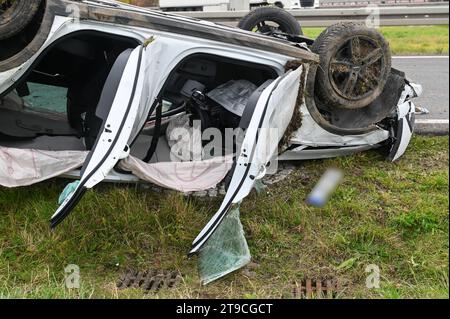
{"x": 406, "y": 120}
{"x": 265, "y": 123}
{"x": 119, "y": 106}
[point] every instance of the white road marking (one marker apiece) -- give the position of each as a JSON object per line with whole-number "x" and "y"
{"x": 421, "y": 57}
{"x": 432, "y": 122}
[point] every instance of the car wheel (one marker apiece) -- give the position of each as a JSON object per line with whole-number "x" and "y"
{"x": 15, "y": 15}
{"x": 355, "y": 63}
{"x": 24, "y": 28}
{"x": 267, "y": 20}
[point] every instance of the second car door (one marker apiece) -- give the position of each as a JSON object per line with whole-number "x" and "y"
{"x": 271, "y": 114}
{"x": 118, "y": 107}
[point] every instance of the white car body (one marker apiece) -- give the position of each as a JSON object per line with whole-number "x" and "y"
{"x": 148, "y": 67}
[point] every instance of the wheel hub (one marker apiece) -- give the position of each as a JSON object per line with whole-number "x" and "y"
{"x": 356, "y": 67}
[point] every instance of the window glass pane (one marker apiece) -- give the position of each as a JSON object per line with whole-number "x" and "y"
{"x": 51, "y": 98}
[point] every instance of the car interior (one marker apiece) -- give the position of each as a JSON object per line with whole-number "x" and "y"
{"x": 55, "y": 104}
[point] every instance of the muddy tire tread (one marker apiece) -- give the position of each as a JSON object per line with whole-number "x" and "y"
{"x": 14, "y": 23}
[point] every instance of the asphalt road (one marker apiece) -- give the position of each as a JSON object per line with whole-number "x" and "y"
{"x": 433, "y": 74}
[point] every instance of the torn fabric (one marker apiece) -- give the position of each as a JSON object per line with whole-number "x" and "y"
{"x": 181, "y": 176}
{"x": 24, "y": 167}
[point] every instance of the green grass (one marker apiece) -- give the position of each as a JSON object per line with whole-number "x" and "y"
{"x": 391, "y": 215}
{"x": 412, "y": 40}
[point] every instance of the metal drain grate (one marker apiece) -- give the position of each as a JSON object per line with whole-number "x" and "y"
{"x": 152, "y": 280}
{"x": 311, "y": 289}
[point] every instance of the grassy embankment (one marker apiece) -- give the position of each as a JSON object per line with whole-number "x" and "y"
{"x": 391, "y": 215}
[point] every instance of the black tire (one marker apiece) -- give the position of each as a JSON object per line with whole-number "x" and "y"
{"x": 15, "y": 15}
{"x": 355, "y": 63}
{"x": 256, "y": 21}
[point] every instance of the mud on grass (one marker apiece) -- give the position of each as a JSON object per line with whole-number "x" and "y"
{"x": 391, "y": 215}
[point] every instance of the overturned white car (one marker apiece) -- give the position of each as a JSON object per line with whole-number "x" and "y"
{"x": 130, "y": 91}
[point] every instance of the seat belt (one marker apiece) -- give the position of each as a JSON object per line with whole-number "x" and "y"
{"x": 156, "y": 134}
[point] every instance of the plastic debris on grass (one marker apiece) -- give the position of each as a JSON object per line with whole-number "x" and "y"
{"x": 325, "y": 187}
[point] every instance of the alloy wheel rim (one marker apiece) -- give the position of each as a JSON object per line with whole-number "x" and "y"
{"x": 356, "y": 69}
